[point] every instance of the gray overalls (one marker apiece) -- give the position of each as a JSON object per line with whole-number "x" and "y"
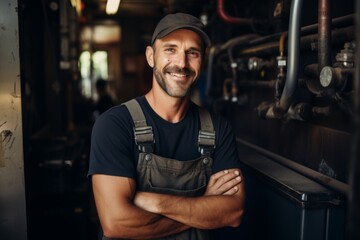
{"x": 170, "y": 176}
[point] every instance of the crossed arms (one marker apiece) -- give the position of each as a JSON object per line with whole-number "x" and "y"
{"x": 127, "y": 213}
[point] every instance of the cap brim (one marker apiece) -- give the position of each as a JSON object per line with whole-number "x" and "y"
{"x": 199, "y": 31}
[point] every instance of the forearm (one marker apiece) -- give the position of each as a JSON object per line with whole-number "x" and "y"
{"x": 206, "y": 212}
{"x": 120, "y": 218}
{"x": 136, "y": 223}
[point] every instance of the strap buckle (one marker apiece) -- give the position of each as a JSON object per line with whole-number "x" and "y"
{"x": 144, "y": 138}
{"x": 206, "y": 141}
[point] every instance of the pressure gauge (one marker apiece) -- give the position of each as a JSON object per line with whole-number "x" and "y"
{"x": 326, "y": 76}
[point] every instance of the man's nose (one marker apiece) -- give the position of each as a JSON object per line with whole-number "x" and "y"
{"x": 182, "y": 60}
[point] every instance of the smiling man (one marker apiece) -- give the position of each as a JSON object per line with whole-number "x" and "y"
{"x": 161, "y": 166}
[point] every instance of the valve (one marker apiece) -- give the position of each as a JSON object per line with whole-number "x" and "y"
{"x": 346, "y": 56}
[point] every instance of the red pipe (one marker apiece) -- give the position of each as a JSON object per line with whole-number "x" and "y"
{"x": 324, "y": 32}
{"x": 229, "y": 19}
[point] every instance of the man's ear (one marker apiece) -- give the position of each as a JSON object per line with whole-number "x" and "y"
{"x": 150, "y": 56}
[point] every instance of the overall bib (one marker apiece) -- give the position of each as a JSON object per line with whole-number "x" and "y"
{"x": 170, "y": 176}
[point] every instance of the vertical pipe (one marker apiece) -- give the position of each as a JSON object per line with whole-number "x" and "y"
{"x": 292, "y": 56}
{"x": 209, "y": 70}
{"x": 281, "y": 64}
{"x": 324, "y": 32}
{"x": 282, "y": 43}
{"x": 353, "y": 219}
{"x": 230, "y": 49}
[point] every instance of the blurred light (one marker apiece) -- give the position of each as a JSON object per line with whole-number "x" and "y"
{"x": 73, "y": 3}
{"x": 204, "y": 18}
{"x": 54, "y": 6}
{"x": 77, "y": 4}
{"x": 112, "y": 6}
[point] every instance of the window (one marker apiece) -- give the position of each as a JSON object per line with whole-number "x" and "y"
{"x": 92, "y": 67}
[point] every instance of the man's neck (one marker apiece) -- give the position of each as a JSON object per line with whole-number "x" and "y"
{"x": 169, "y": 108}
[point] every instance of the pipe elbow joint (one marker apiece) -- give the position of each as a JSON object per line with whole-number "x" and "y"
{"x": 266, "y": 110}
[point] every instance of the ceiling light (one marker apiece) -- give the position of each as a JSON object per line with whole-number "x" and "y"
{"x": 73, "y": 3}
{"x": 112, "y": 6}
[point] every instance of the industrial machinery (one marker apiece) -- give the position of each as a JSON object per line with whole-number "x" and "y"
{"x": 286, "y": 81}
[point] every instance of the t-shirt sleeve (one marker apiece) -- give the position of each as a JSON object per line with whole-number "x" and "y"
{"x": 225, "y": 154}
{"x": 112, "y": 147}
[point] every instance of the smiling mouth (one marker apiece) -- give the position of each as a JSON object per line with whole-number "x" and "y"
{"x": 178, "y": 75}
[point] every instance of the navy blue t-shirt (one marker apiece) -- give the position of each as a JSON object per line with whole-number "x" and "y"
{"x": 114, "y": 152}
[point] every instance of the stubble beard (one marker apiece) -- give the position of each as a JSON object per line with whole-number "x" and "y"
{"x": 160, "y": 79}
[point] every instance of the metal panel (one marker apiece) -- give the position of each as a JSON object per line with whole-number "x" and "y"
{"x": 284, "y": 204}
{"x": 12, "y": 183}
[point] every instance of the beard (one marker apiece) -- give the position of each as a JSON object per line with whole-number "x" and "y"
{"x": 180, "y": 90}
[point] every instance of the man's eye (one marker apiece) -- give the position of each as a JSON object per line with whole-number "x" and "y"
{"x": 169, "y": 50}
{"x": 193, "y": 54}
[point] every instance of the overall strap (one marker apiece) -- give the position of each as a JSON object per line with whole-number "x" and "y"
{"x": 206, "y": 140}
{"x": 144, "y": 136}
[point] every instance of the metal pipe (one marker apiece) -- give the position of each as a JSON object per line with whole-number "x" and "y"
{"x": 229, "y": 45}
{"x": 242, "y": 40}
{"x": 338, "y": 36}
{"x": 257, "y": 83}
{"x": 281, "y": 107}
{"x": 316, "y": 176}
{"x": 226, "y": 93}
{"x": 292, "y": 56}
{"x": 311, "y": 70}
{"x": 335, "y": 22}
{"x": 282, "y": 43}
{"x": 209, "y": 70}
{"x": 281, "y": 66}
{"x": 324, "y": 32}
{"x": 224, "y": 16}
{"x": 353, "y": 219}
{"x": 233, "y": 66}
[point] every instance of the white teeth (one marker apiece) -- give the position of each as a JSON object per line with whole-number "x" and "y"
{"x": 177, "y": 75}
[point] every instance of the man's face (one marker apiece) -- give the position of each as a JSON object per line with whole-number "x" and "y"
{"x": 177, "y": 60}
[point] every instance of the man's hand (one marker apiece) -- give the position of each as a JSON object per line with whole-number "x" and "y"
{"x": 222, "y": 204}
{"x": 223, "y": 183}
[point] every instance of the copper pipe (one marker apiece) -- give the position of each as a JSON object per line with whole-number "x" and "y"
{"x": 324, "y": 32}
{"x": 282, "y": 43}
{"x": 224, "y": 16}
{"x": 226, "y": 84}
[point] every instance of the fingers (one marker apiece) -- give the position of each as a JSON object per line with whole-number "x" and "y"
{"x": 227, "y": 178}
{"x": 232, "y": 191}
{"x": 228, "y": 182}
{"x": 216, "y": 176}
{"x": 224, "y": 182}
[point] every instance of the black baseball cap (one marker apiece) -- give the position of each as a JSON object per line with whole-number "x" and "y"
{"x": 172, "y": 22}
